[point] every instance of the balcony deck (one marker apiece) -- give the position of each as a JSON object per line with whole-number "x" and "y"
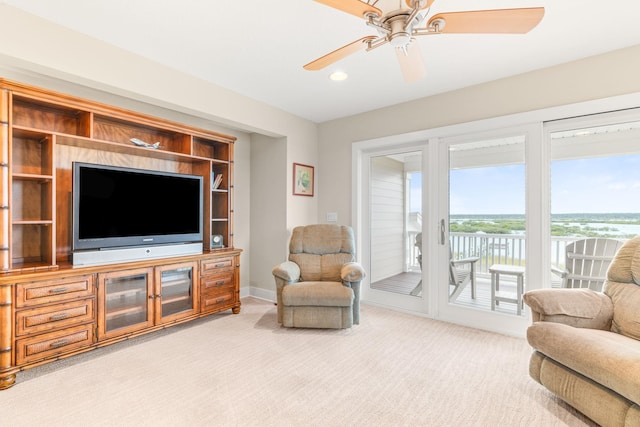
{"x": 489, "y": 249}
{"x": 405, "y": 284}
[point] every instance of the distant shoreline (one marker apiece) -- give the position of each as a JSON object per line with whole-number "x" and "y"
{"x": 613, "y": 225}
{"x": 568, "y": 217}
{"x": 604, "y": 216}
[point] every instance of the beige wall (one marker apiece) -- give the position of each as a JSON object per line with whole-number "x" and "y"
{"x": 611, "y": 74}
{"x": 269, "y": 236}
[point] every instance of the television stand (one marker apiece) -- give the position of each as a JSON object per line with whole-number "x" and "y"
{"x": 138, "y": 253}
{"x": 71, "y": 310}
{"x": 55, "y": 303}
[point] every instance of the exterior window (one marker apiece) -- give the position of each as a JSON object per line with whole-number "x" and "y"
{"x": 595, "y": 199}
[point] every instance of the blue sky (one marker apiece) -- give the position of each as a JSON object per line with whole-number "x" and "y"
{"x": 495, "y": 190}
{"x": 599, "y": 185}
{"x": 590, "y": 185}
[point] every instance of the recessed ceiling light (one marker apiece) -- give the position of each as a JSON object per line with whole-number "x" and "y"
{"x": 338, "y": 76}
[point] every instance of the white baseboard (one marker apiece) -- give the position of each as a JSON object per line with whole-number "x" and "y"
{"x": 259, "y": 293}
{"x": 245, "y": 292}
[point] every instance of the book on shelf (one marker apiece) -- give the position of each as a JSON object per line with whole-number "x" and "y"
{"x": 217, "y": 181}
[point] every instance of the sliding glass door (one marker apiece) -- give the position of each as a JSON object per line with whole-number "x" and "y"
{"x": 474, "y": 216}
{"x": 487, "y": 223}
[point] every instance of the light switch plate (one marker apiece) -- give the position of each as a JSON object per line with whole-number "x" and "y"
{"x": 332, "y": 216}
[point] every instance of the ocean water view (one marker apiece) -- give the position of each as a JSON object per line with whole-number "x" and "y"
{"x": 616, "y": 225}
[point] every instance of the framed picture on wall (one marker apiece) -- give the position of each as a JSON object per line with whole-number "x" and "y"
{"x": 302, "y": 180}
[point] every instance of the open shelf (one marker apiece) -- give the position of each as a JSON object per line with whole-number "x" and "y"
{"x": 32, "y": 199}
{"x": 32, "y": 244}
{"x": 121, "y": 131}
{"x": 49, "y": 131}
{"x": 210, "y": 149}
{"x": 31, "y": 153}
{"x": 123, "y": 148}
{"x": 46, "y": 116}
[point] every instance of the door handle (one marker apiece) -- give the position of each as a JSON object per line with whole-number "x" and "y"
{"x": 442, "y": 230}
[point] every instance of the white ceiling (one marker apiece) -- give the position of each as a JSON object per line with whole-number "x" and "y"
{"x": 258, "y": 47}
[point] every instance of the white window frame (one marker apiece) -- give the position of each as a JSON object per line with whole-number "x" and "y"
{"x": 538, "y": 191}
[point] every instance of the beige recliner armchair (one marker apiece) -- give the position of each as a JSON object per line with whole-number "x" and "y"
{"x": 319, "y": 287}
{"x": 587, "y": 343}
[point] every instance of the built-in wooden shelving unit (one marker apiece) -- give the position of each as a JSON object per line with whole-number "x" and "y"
{"x": 50, "y": 309}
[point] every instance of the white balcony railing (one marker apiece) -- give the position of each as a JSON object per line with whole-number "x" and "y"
{"x": 492, "y": 249}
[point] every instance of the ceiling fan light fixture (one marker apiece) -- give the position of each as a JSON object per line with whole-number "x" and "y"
{"x": 400, "y": 40}
{"x": 400, "y": 31}
{"x": 338, "y": 76}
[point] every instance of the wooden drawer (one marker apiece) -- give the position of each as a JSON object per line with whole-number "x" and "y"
{"x": 50, "y": 291}
{"x": 42, "y": 346}
{"x": 217, "y": 283}
{"x": 48, "y": 318}
{"x": 215, "y": 302}
{"x": 216, "y": 265}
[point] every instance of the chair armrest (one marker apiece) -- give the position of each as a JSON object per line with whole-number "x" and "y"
{"x": 580, "y": 308}
{"x": 288, "y": 271}
{"x": 559, "y": 272}
{"x": 352, "y": 272}
{"x": 468, "y": 260}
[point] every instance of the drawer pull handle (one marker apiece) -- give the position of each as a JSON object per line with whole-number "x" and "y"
{"x": 58, "y": 316}
{"x": 58, "y": 290}
{"x": 220, "y": 283}
{"x": 222, "y": 264}
{"x": 220, "y": 300}
{"x": 60, "y": 343}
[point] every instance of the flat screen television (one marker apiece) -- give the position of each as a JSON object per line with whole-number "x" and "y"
{"x": 118, "y": 207}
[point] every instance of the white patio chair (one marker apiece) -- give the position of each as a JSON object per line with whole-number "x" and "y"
{"x": 461, "y": 273}
{"x": 586, "y": 263}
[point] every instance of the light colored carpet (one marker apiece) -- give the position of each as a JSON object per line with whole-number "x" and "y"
{"x": 393, "y": 369}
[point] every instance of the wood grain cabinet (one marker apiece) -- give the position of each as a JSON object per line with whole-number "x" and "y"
{"x": 176, "y": 287}
{"x": 53, "y": 317}
{"x": 50, "y": 309}
{"x": 137, "y": 299}
{"x": 124, "y": 302}
{"x": 218, "y": 287}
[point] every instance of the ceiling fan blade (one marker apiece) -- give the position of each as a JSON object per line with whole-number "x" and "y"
{"x": 354, "y": 7}
{"x": 516, "y": 21}
{"x": 338, "y": 54}
{"x": 411, "y": 63}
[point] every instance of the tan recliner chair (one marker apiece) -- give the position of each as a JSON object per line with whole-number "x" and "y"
{"x": 587, "y": 343}
{"x": 319, "y": 287}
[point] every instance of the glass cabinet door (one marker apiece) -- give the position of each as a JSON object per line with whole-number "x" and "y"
{"x": 125, "y": 302}
{"x": 175, "y": 291}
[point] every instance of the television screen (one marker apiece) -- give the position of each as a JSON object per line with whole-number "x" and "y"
{"x": 120, "y": 207}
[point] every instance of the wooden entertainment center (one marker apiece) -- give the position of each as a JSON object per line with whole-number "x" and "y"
{"x": 50, "y": 309}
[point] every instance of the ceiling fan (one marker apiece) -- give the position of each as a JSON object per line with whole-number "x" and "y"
{"x": 399, "y": 28}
